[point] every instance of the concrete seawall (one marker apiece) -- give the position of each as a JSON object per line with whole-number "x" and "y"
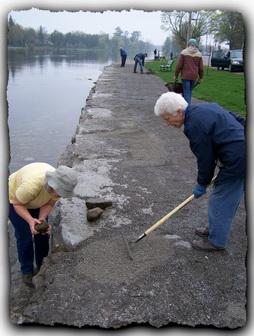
{"x": 123, "y": 153}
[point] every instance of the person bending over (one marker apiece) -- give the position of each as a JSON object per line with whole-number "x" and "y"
{"x": 216, "y": 137}
{"x": 33, "y": 192}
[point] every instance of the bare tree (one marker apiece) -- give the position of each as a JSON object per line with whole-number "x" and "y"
{"x": 187, "y": 24}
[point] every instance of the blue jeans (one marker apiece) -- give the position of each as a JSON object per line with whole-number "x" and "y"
{"x": 223, "y": 203}
{"x": 138, "y": 61}
{"x": 27, "y": 244}
{"x": 188, "y": 85}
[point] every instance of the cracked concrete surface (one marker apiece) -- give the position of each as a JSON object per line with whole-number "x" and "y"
{"x": 124, "y": 153}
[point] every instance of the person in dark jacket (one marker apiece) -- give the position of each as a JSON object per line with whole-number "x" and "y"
{"x": 217, "y": 139}
{"x": 139, "y": 59}
{"x": 123, "y": 55}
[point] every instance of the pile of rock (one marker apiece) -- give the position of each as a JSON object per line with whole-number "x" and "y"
{"x": 96, "y": 208}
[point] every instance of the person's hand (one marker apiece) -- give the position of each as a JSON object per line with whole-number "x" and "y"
{"x": 199, "y": 81}
{"x": 199, "y": 190}
{"x": 49, "y": 228}
{"x": 175, "y": 79}
{"x": 48, "y": 231}
{"x": 32, "y": 224}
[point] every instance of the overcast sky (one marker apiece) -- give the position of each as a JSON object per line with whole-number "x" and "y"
{"x": 148, "y": 23}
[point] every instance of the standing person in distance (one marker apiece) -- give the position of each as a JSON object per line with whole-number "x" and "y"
{"x": 123, "y": 55}
{"x": 190, "y": 64}
{"x": 155, "y": 54}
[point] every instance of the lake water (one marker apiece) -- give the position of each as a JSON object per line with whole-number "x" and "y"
{"x": 46, "y": 91}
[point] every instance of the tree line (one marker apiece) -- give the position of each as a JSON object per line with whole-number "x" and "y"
{"x": 19, "y": 36}
{"x": 223, "y": 26}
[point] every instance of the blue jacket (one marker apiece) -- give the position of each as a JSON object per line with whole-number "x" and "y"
{"x": 141, "y": 56}
{"x": 216, "y": 137}
{"x": 123, "y": 52}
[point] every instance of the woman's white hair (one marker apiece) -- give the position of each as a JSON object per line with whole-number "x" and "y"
{"x": 170, "y": 102}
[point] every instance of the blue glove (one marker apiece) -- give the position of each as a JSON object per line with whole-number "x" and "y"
{"x": 199, "y": 190}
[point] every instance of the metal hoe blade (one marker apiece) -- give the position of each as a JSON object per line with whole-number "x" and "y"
{"x": 128, "y": 246}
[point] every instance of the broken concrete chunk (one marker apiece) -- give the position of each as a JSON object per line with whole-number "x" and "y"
{"x": 98, "y": 202}
{"x": 94, "y": 214}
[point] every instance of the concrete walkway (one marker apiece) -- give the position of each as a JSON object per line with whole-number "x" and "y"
{"x": 124, "y": 153}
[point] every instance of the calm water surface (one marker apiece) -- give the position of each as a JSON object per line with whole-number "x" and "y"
{"x": 46, "y": 93}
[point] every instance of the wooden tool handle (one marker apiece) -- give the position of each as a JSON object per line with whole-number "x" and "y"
{"x": 171, "y": 213}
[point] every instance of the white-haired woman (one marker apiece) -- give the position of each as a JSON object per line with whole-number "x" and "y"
{"x": 216, "y": 137}
{"x": 33, "y": 192}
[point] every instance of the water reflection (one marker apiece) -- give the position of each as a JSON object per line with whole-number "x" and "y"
{"x": 46, "y": 91}
{"x": 19, "y": 58}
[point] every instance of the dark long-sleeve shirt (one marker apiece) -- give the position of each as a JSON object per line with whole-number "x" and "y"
{"x": 215, "y": 135}
{"x": 142, "y": 57}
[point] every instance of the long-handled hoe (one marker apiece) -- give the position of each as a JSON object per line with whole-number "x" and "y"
{"x": 160, "y": 222}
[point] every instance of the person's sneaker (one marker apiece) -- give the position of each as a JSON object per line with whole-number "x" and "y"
{"x": 205, "y": 245}
{"x": 202, "y": 232}
{"x": 27, "y": 279}
{"x": 135, "y": 71}
{"x": 36, "y": 270}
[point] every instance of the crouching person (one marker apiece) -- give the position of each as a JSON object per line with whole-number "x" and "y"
{"x": 33, "y": 192}
{"x": 216, "y": 137}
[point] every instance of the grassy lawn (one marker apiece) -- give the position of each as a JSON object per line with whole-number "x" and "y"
{"x": 222, "y": 87}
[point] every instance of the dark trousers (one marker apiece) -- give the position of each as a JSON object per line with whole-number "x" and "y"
{"x": 123, "y": 60}
{"x": 28, "y": 245}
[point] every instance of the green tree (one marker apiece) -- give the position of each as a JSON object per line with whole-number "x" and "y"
{"x": 29, "y": 37}
{"x": 229, "y": 27}
{"x": 16, "y": 36}
{"x": 11, "y": 23}
{"x": 118, "y": 32}
{"x": 167, "y": 47}
{"x": 41, "y": 35}
{"x": 69, "y": 40}
{"x": 135, "y": 36}
{"x": 57, "y": 39}
{"x": 104, "y": 41}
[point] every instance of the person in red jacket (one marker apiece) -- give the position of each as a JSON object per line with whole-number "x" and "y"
{"x": 190, "y": 64}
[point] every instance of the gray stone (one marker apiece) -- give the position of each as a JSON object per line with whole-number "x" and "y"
{"x": 94, "y": 214}
{"x": 98, "y": 202}
{"x": 42, "y": 227}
